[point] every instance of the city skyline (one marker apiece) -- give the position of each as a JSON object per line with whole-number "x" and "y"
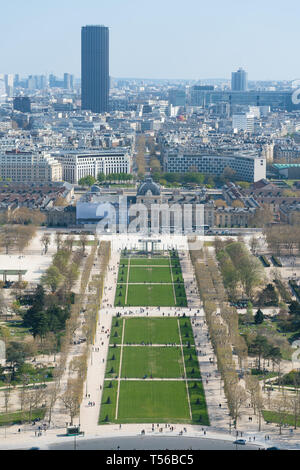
{"x": 197, "y": 41}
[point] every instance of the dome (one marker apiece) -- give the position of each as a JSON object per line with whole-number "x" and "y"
{"x": 148, "y": 186}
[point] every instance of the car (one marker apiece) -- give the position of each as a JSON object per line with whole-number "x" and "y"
{"x": 34, "y": 448}
{"x": 272, "y": 448}
{"x": 240, "y": 441}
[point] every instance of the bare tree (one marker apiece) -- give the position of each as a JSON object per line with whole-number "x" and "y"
{"x": 46, "y": 240}
{"x": 72, "y": 398}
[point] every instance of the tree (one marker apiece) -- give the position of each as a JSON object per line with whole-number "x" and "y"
{"x": 7, "y": 391}
{"x": 72, "y": 398}
{"x": 7, "y": 237}
{"x": 46, "y": 240}
{"x": 101, "y": 177}
{"x": 58, "y": 240}
{"x": 259, "y": 347}
{"x": 236, "y": 400}
{"x": 15, "y": 355}
{"x": 258, "y": 317}
{"x": 249, "y": 314}
{"x": 52, "y": 278}
{"x": 72, "y": 275}
{"x": 229, "y": 173}
{"x": 253, "y": 388}
{"x": 23, "y": 235}
{"x": 281, "y": 406}
{"x": 70, "y": 242}
{"x": 52, "y": 395}
{"x": 268, "y": 296}
{"x": 88, "y": 180}
{"x": 262, "y": 217}
{"x": 83, "y": 241}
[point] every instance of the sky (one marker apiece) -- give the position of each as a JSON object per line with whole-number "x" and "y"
{"x": 175, "y": 39}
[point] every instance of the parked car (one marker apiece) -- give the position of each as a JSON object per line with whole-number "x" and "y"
{"x": 240, "y": 441}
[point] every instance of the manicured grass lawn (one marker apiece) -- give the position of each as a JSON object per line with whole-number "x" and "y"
{"x": 149, "y": 261}
{"x": 150, "y": 270}
{"x": 116, "y": 331}
{"x": 19, "y": 417}
{"x": 151, "y": 330}
{"x": 150, "y": 296}
{"x": 154, "y": 362}
{"x": 113, "y": 362}
{"x": 108, "y": 410}
{"x": 191, "y": 363}
{"x": 198, "y": 403}
{"x": 122, "y": 274}
{"x": 147, "y": 402}
{"x": 123, "y": 261}
{"x": 177, "y": 274}
{"x": 120, "y": 295}
{"x": 273, "y": 417}
{"x": 187, "y": 336}
{"x": 149, "y": 274}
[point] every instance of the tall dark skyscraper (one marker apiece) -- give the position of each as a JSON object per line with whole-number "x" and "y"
{"x": 95, "y": 68}
{"x": 239, "y": 80}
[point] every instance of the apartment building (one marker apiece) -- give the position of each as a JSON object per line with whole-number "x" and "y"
{"x": 76, "y": 165}
{"x": 29, "y": 167}
{"x": 248, "y": 167}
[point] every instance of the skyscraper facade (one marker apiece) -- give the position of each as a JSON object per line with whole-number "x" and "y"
{"x": 239, "y": 80}
{"x": 95, "y": 68}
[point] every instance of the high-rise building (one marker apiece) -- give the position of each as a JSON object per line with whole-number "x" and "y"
{"x": 239, "y": 80}
{"x": 9, "y": 84}
{"x": 95, "y": 68}
{"x": 243, "y": 122}
{"x": 68, "y": 81}
{"x": 22, "y": 104}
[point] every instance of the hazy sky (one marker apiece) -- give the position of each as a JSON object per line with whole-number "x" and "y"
{"x": 155, "y": 38}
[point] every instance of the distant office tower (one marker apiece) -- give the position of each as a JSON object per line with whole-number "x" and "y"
{"x": 177, "y": 97}
{"x": 200, "y": 95}
{"x": 239, "y": 80}
{"x": 3, "y": 94}
{"x": 95, "y": 68}
{"x": 22, "y": 103}
{"x": 68, "y": 81}
{"x": 243, "y": 122}
{"x": 9, "y": 84}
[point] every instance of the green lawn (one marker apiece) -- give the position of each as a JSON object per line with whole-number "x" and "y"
{"x": 151, "y": 330}
{"x": 19, "y": 417}
{"x": 113, "y": 362}
{"x": 108, "y": 410}
{"x": 156, "y": 362}
{"x": 148, "y": 271}
{"x": 150, "y": 295}
{"x": 149, "y": 261}
{"x": 150, "y": 274}
{"x": 187, "y": 335}
{"x": 274, "y": 417}
{"x": 116, "y": 331}
{"x": 145, "y": 402}
{"x": 198, "y": 403}
{"x": 191, "y": 363}
{"x": 122, "y": 274}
